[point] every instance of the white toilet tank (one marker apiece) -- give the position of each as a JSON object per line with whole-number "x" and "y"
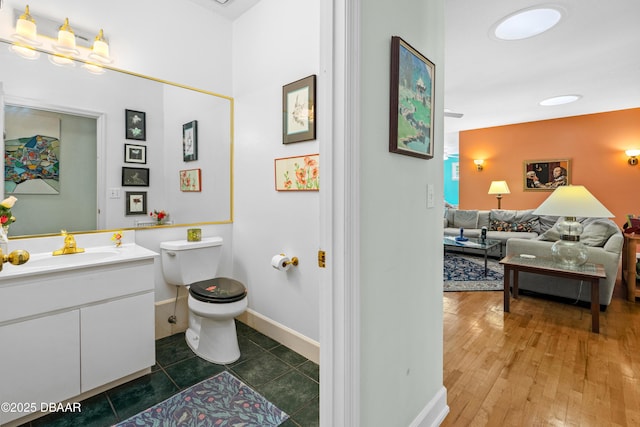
{"x": 184, "y": 262}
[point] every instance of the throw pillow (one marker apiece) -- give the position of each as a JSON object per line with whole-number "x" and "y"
{"x": 520, "y": 227}
{"x": 465, "y": 219}
{"x": 597, "y": 233}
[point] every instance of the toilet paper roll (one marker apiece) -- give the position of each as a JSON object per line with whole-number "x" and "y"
{"x": 280, "y": 262}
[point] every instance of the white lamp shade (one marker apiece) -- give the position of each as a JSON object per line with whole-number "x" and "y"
{"x": 573, "y": 201}
{"x": 499, "y": 187}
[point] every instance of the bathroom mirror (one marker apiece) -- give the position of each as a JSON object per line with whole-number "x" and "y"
{"x": 108, "y": 99}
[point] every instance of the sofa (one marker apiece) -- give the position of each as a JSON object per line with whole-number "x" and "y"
{"x": 604, "y": 241}
{"x": 501, "y": 224}
{"x": 522, "y": 232}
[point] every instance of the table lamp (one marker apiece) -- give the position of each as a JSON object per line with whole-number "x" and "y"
{"x": 499, "y": 188}
{"x": 571, "y": 201}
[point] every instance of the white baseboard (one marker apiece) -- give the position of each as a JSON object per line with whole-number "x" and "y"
{"x": 274, "y": 330}
{"x": 435, "y": 412}
{"x": 284, "y": 335}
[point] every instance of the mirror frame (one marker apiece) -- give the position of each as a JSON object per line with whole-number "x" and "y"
{"x": 100, "y": 179}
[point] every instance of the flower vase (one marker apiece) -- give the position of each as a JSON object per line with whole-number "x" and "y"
{"x": 4, "y": 239}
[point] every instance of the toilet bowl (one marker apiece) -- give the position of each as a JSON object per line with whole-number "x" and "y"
{"x": 213, "y": 302}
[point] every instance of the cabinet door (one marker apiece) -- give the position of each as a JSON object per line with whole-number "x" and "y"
{"x": 39, "y": 361}
{"x": 117, "y": 339}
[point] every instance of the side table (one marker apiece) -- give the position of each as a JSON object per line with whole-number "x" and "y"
{"x": 629, "y": 265}
{"x": 588, "y": 272}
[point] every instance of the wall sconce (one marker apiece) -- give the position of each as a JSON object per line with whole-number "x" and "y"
{"x": 633, "y": 156}
{"x": 479, "y": 164}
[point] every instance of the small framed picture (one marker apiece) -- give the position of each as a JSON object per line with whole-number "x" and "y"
{"x": 135, "y": 153}
{"x": 190, "y": 180}
{"x": 135, "y": 125}
{"x": 136, "y": 202}
{"x": 135, "y": 177}
{"x": 190, "y": 141}
{"x": 298, "y": 110}
{"x": 299, "y": 173}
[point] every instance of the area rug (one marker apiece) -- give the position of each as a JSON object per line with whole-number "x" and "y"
{"x": 222, "y": 400}
{"x": 466, "y": 273}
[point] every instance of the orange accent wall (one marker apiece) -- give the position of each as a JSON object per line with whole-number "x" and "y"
{"x": 594, "y": 143}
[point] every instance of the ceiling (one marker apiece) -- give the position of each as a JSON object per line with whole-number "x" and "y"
{"x": 594, "y": 51}
{"x": 231, "y": 10}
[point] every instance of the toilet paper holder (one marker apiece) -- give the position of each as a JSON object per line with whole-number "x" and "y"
{"x": 293, "y": 261}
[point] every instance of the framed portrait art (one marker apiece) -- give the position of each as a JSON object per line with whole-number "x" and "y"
{"x": 190, "y": 141}
{"x": 136, "y": 203}
{"x": 135, "y": 125}
{"x": 135, "y": 177}
{"x": 411, "y": 101}
{"x": 135, "y": 153}
{"x": 546, "y": 175}
{"x": 298, "y": 110}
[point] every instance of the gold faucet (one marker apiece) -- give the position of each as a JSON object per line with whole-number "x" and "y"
{"x": 69, "y": 245}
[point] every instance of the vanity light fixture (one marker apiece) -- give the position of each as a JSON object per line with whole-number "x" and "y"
{"x": 479, "y": 164}
{"x": 26, "y": 29}
{"x": 633, "y": 156}
{"x": 26, "y": 36}
{"x": 66, "y": 40}
{"x": 100, "y": 49}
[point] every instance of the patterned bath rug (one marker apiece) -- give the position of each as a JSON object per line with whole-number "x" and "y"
{"x": 466, "y": 273}
{"x": 222, "y": 400}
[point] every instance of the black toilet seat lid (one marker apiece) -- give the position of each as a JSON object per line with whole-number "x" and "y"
{"x": 219, "y": 290}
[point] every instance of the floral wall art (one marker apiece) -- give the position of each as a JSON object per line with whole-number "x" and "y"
{"x": 300, "y": 173}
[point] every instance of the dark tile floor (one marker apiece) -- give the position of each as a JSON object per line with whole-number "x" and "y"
{"x": 284, "y": 377}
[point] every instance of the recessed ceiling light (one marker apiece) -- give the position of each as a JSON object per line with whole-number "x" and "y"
{"x": 559, "y": 100}
{"x": 527, "y": 23}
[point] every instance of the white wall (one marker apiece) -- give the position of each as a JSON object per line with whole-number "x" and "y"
{"x": 401, "y": 249}
{"x": 274, "y": 43}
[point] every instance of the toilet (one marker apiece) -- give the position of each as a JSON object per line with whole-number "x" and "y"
{"x": 213, "y": 301}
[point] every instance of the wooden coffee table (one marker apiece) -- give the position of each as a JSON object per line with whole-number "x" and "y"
{"x": 589, "y": 272}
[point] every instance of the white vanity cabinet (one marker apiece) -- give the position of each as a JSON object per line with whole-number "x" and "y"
{"x": 68, "y": 331}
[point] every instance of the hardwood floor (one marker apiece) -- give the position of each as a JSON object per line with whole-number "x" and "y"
{"x": 540, "y": 364}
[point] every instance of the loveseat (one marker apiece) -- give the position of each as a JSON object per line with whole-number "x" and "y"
{"x": 604, "y": 241}
{"x": 501, "y": 224}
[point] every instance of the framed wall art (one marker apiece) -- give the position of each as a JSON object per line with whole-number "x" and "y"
{"x": 135, "y": 177}
{"x": 135, "y": 153}
{"x": 190, "y": 141}
{"x": 190, "y": 180}
{"x": 298, "y": 110}
{"x": 301, "y": 173}
{"x": 136, "y": 203}
{"x": 546, "y": 175}
{"x": 135, "y": 125}
{"x": 411, "y": 101}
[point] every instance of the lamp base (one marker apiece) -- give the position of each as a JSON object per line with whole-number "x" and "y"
{"x": 571, "y": 253}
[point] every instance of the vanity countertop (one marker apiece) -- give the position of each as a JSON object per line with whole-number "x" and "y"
{"x": 46, "y": 263}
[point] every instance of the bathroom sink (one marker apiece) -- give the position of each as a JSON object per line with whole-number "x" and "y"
{"x": 48, "y": 260}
